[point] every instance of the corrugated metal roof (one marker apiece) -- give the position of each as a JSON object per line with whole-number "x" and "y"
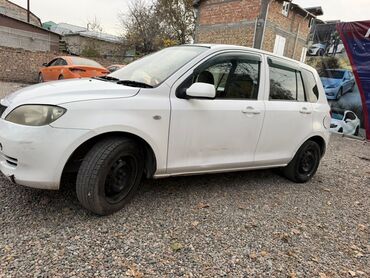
{"x": 66, "y": 29}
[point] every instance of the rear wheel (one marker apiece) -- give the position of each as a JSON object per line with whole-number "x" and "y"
{"x": 110, "y": 175}
{"x": 61, "y": 77}
{"x": 304, "y": 164}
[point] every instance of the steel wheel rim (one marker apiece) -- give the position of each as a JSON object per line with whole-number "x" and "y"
{"x": 120, "y": 179}
{"x": 307, "y": 162}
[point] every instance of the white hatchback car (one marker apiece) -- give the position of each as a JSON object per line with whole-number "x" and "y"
{"x": 184, "y": 110}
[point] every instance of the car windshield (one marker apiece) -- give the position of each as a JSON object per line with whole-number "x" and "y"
{"x": 85, "y": 62}
{"x": 335, "y": 74}
{"x": 156, "y": 68}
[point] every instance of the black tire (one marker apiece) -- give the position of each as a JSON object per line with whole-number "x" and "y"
{"x": 109, "y": 175}
{"x": 357, "y": 132}
{"x": 340, "y": 130}
{"x": 304, "y": 164}
{"x": 321, "y": 52}
{"x": 41, "y": 78}
{"x": 61, "y": 77}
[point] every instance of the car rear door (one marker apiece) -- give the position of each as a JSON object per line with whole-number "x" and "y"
{"x": 222, "y": 133}
{"x": 288, "y": 115}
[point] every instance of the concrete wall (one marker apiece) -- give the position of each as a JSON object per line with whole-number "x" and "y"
{"x": 16, "y": 38}
{"x": 76, "y": 44}
{"x": 12, "y": 10}
{"x": 19, "y": 65}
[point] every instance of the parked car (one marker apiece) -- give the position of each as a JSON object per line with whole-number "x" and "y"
{"x": 317, "y": 49}
{"x": 67, "y": 67}
{"x": 192, "y": 109}
{"x": 337, "y": 82}
{"x": 114, "y": 68}
{"x": 346, "y": 123}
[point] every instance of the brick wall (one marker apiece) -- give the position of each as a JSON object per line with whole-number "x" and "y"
{"x": 18, "y": 65}
{"x": 228, "y": 11}
{"x": 12, "y": 10}
{"x": 295, "y": 28}
{"x": 227, "y": 21}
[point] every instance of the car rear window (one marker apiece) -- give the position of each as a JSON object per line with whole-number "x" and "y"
{"x": 85, "y": 62}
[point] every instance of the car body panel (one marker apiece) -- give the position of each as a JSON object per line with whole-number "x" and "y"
{"x": 187, "y": 136}
{"x": 348, "y": 124}
{"x": 65, "y": 68}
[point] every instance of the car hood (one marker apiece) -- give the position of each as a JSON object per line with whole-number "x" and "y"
{"x": 330, "y": 82}
{"x": 66, "y": 91}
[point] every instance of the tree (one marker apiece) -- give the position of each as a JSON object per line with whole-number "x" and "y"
{"x": 142, "y": 28}
{"x": 150, "y": 26}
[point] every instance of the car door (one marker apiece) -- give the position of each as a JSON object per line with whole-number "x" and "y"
{"x": 288, "y": 114}
{"x": 221, "y": 133}
{"x": 346, "y": 82}
{"x": 48, "y": 70}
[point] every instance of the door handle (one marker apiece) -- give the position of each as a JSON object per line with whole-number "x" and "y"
{"x": 304, "y": 110}
{"x": 250, "y": 111}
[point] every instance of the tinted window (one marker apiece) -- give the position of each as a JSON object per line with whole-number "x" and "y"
{"x": 53, "y": 63}
{"x": 312, "y": 90}
{"x": 286, "y": 84}
{"x": 85, "y": 62}
{"x": 232, "y": 76}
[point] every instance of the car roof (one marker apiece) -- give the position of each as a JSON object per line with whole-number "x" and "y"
{"x": 255, "y": 50}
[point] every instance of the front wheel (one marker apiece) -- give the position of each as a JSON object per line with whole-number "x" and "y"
{"x": 357, "y": 131}
{"x": 304, "y": 164}
{"x": 109, "y": 175}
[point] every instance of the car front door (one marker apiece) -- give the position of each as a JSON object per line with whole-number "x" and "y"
{"x": 288, "y": 116}
{"x": 221, "y": 133}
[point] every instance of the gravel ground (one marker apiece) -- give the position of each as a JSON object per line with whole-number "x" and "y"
{"x": 247, "y": 224}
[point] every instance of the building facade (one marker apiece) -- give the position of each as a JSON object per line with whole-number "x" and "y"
{"x": 13, "y": 10}
{"x": 276, "y": 26}
{"x": 19, "y": 34}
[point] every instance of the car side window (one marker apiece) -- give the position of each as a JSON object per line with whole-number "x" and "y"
{"x": 312, "y": 90}
{"x": 286, "y": 84}
{"x": 62, "y": 62}
{"x": 235, "y": 76}
{"x": 53, "y": 63}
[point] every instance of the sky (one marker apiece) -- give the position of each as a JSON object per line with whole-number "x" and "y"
{"x": 80, "y": 12}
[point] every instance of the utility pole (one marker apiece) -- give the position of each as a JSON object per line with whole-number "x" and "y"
{"x": 28, "y": 11}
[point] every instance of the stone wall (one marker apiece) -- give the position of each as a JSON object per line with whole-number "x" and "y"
{"x": 12, "y": 10}
{"x": 18, "y": 65}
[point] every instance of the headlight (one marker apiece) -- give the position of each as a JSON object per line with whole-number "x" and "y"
{"x": 35, "y": 115}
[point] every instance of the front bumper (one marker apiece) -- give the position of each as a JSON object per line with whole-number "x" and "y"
{"x": 36, "y": 156}
{"x": 331, "y": 93}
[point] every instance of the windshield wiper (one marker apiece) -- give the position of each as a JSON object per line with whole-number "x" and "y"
{"x": 109, "y": 78}
{"x": 133, "y": 83}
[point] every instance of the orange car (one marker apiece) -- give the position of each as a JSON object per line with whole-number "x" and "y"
{"x": 67, "y": 67}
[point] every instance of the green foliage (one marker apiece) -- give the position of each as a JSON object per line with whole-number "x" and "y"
{"x": 90, "y": 52}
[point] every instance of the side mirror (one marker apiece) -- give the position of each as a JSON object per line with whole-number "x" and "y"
{"x": 45, "y": 64}
{"x": 201, "y": 90}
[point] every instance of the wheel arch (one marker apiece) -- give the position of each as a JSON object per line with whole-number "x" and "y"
{"x": 320, "y": 141}
{"x": 75, "y": 159}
